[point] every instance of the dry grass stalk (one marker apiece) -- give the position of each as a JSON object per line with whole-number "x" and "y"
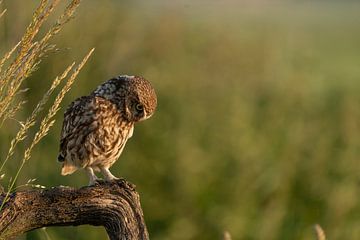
{"x": 48, "y": 120}
{"x": 31, "y": 120}
{"x": 30, "y": 52}
{"x": 13, "y": 76}
{"x": 2, "y": 13}
{"x": 5, "y": 58}
{"x": 47, "y": 236}
{"x": 320, "y": 234}
{"x": 226, "y": 236}
{"x": 11, "y": 112}
{"x": 22, "y": 65}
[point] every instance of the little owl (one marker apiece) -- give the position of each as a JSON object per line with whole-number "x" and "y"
{"x": 96, "y": 127}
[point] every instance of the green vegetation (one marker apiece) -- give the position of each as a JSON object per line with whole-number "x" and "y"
{"x": 258, "y": 126}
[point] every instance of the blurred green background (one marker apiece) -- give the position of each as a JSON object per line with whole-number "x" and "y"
{"x": 257, "y": 130}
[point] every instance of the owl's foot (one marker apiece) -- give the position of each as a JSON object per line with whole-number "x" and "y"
{"x": 98, "y": 182}
{"x": 92, "y": 176}
{"x": 107, "y": 174}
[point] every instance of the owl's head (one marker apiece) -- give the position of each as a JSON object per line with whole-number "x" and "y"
{"x": 135, "y": 97}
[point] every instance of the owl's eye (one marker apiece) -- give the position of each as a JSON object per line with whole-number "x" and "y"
{"x": 139, "y": 107}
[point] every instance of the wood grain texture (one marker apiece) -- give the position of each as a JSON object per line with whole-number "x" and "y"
{"x": 114, "y": 205}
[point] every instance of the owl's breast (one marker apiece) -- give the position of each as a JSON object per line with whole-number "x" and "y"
{"x": 108, "y": 142}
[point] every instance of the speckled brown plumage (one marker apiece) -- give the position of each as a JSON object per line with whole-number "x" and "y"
{"x": 97, "y": 127}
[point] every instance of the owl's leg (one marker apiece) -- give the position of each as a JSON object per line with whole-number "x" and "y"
{"x": 107, "y": 174}
{"x": 92, "y": 176}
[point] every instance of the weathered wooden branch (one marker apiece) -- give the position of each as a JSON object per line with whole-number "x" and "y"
{"x": 114, "y": 205}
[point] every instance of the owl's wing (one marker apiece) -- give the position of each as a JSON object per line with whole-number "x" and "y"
{"x": 78, "y": 114}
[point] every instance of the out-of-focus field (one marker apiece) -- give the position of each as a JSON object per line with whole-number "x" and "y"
{"x": 257, "y": 130}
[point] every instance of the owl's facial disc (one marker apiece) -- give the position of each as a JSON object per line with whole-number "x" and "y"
{"x": 144, "y": 100}
{"x": 141, "y": 112}
{"x": 137, "y": 111}
{"x": 146, "y": 116}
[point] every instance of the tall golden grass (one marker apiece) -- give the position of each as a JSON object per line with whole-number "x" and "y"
{"x": 257, "y": 130}
{"x": 16, "y": 66}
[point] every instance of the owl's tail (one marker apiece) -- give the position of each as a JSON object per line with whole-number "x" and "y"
{"x": 68, "y": 168}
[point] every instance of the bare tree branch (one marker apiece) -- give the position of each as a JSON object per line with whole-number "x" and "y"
{"x": 114, "y": 205}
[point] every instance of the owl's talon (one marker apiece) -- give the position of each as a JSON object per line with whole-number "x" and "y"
{"x": 92, "y": 176}
{"x": 108, "y": 175}
{"x": 99, "y": 182}
{"x": 114, "y": 179}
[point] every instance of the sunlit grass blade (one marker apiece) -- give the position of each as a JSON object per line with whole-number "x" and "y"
{"x": 30, "y": 121}
{"x": 320, "y": 234}
{"x": 46, "y": 123}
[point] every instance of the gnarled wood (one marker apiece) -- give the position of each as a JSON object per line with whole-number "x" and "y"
{"x": 114, "y": 205}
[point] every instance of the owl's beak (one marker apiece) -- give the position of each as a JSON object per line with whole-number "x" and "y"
{"x": 146, "y": 116}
